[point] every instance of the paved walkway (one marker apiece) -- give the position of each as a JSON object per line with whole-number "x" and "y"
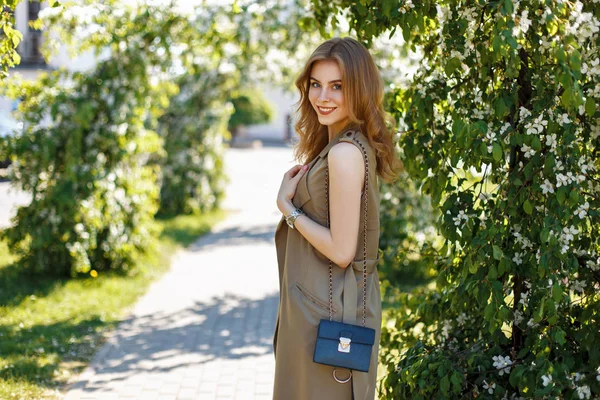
{"x": 204, "y": 330}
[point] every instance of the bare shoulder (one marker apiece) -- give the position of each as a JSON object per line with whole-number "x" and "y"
{"x": 345, "y": 152}
{"x": 346, "y": 157}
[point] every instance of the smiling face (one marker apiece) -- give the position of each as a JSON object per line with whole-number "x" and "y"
{"x": 326, "y": 96}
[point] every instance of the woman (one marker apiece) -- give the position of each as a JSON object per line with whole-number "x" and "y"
{"x": 340, "y": 114}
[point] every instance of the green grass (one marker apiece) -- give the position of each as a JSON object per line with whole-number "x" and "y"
{"x": 50, "y": 328}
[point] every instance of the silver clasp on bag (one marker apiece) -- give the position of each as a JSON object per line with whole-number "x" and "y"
{"x": 344, "y": 345}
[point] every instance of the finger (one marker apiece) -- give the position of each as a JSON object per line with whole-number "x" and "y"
{"x": 301, "y": 172}
{"x": 292, "y": 171}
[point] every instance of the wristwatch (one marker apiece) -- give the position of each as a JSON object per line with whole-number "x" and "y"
{"x": 290, "y": 219}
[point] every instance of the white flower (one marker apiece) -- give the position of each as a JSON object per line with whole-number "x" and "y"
{"x": 568, "y": 233}
{"x": 578, "y": 286}
{"x": 531, "y": 324}
{"x": 551, "y": 141}
{"x": 527, "y": 150}
{"x": 462, "y": 318}
{"x": 594, "y": 266}
{"x": 461, "y": 216}
{"x": 563, "y": 119}
{"x": 517, "y": 258}
{"x": 547, "y": 379}
{"x": 489, "y": 388}
{"x": 446, "y": 329}
{"x": 523, "y": 114}
{"x": 547, "y": 187}
{"x": 582, "y": 210}
{"x": 518, "y": 317}
{"x": 523, "y": 299}
{"x": 502, "y": 364}
{"x": 524, "y": 22}
{"x": 584, "y": 392}
{"x": 561, "y": 180}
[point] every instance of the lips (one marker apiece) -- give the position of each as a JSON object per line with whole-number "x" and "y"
{"x": 326, "y": 110}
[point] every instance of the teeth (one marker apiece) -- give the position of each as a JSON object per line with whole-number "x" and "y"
{"x": 326, "y": 109}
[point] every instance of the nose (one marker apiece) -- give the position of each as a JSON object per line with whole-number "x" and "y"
{"x": 323, "y": 95}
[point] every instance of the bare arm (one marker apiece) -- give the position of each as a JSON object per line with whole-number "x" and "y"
{"x": 346, "y": 177}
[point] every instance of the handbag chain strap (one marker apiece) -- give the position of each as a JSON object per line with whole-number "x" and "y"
{"x": 365, "y": 238}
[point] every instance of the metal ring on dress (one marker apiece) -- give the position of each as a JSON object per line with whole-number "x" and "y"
{"x": 339, "y": 381}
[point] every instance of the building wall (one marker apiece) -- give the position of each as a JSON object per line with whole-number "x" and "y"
{"x": 283, "y": 104}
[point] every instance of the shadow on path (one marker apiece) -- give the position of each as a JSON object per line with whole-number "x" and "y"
{"x": 236, "y": 236}
{"x": 228, "y": 327}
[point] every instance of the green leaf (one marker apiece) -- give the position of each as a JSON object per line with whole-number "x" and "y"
{"x": 470, "y": 265}
{"x": 573, "y": 197}
{"x": 489, "y": 311}
{"x": 515, "y": 375}
{"x": 445, "y": 385}
{"x": 235, "y": 7}
{"x": 590, "y": 106}
{"x": 539, "y": 313}
{"x": 544, "y": 234}
{"x": 451, "y": 66}
{"x": 536, "y": 144}
{"x": 387, "y": 7}
{"x": 456, "y": 380}
{"x": 508, "y": 7}
{"x": 528, "y": 207}
{"x": 558, "y": 335}
{"x": 561, "y": 195}
{"x": 556, "y": 292}
{"x": 497, "y": 152}
{"x": 497, "y": 252}
{"x": 500, "y": 107}
{"x": 501, "y": 267}
{"x": 492, "y": 273}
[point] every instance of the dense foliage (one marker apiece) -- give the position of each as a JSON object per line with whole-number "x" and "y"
{"x": 10, "y": 37}
{"x": 193, "y": 127}
{"x": 501, "y": 128}
{"x": 407, "y": 230}
{"x": 84, "y": 150}
{"x": 250, "y": 107}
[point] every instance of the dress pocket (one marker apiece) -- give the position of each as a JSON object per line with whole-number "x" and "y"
{"x": 312, "y": 301}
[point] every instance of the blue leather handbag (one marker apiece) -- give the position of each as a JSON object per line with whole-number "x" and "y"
{"x": 344, "y": 345}
{"x": 340, "y": 344}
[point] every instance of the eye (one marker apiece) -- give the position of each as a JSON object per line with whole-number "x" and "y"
{"x": 337, "y": 86}
{"x": 313, "y": 84}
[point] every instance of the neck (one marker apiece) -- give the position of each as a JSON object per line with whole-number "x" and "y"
{"x": 334, "y": 129}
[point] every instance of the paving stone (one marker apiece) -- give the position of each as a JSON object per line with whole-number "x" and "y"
{"x": 197, "y": 333}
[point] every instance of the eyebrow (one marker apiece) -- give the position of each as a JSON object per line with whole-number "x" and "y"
{"x": 335, "y": 80}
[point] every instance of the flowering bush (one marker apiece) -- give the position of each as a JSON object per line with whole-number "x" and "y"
{"x": 501, "y": 128}
{"x": 193, "y": 127}
{"x": 84, "y": 151}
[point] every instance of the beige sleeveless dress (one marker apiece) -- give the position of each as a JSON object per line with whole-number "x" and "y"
{"x": 304, "y": 290}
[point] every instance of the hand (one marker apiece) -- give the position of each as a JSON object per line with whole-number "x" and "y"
{"x": 287, "y": 190}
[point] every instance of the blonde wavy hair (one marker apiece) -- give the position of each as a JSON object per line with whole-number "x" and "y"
{"x": 362, "y": 88}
